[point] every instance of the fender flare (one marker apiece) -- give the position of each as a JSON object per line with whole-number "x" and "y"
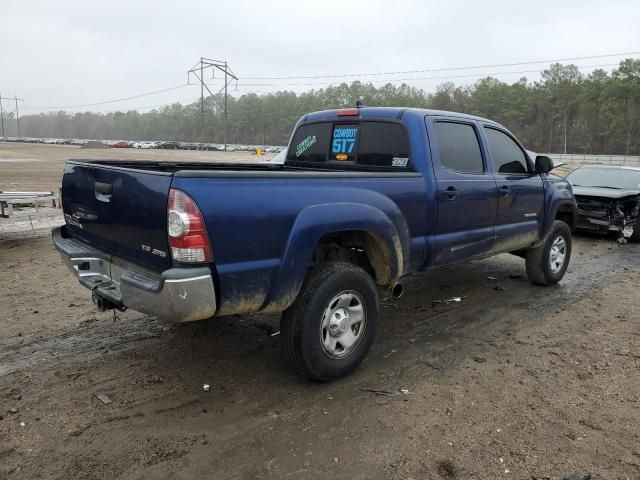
{"x": 558, "y": 199}
{"x": 317, "y": 221}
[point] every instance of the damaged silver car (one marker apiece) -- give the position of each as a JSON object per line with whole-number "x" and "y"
{"x": 608, "y": 200}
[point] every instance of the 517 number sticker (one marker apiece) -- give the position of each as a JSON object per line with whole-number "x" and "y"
{"x": 344, "y": 140}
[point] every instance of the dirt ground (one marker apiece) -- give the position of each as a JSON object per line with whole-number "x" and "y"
{"x": 514, "y": 381}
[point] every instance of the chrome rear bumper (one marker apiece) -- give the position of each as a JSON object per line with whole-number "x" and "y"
{"x": 177, "y": 294}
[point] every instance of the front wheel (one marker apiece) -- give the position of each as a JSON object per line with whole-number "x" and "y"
{"x": 328, "y": 330}
{"x": 547, "y": 263}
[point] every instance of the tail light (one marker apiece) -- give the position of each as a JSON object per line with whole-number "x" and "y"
{"x": 188, "y": 237}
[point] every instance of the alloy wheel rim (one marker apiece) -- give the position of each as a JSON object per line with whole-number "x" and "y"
{"x": 557, "y": 254}
{"x": 343, "y": 324}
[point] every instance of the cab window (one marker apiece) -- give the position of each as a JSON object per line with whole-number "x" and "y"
{"x": 506, "y": 154}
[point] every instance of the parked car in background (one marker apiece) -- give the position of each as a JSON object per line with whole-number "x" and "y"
{"x": 608, "y": 199}
{"x": 169, "y": 145}
{"x": 144, "y": 145}
{"x": 120, "y": 144}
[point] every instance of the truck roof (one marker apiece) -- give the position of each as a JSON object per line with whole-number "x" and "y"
{"x": 392, "y": 112}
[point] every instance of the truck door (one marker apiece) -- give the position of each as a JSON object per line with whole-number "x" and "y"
{"x": 520, "y": 192}
{"x": 466, "y": 191}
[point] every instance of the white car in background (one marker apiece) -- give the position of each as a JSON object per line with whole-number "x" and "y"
{"x": 145, "y": 145}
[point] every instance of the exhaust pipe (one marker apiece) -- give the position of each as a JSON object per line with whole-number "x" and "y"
{"x": 395, "y": 291}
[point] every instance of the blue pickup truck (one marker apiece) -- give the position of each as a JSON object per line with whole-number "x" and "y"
{"x": 365, "y": 197}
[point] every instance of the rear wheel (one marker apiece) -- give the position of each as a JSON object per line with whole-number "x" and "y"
{"x": 547, "y": 263}
{"x": 330, "y": 327}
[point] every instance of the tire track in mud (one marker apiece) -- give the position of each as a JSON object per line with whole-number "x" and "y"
{"x": 86, "y": 342}
{"x": 96, "y": 338}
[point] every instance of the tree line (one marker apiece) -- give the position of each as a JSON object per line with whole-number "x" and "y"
{"x": 565, "y": 111}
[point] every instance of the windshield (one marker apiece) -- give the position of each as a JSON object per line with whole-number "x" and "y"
{"x": 605, "y": 177}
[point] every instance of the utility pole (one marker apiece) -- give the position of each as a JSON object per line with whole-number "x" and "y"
{"x": 1, "y": 115}
{"x": 198, "y": 70}
{"x": 201, "y": 101}
{"x": 226, "y": 69}
{"x": 565, "y": 131}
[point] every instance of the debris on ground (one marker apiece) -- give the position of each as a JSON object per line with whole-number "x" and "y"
{"x": 479, "y": 359}
{"x": 498, "y": 287}
{"x": 275, "y": 333}
{"x": 447, "y": 301}
{"x": 390, "y": 353}
{"x": 575, "y": 476}
{"x": 405, "y": 391}
{"x": 492, "y": 278}
{"x": 384, "y": 393}
{"x": 103, "y": 398}
{"x": 206, "y": 387}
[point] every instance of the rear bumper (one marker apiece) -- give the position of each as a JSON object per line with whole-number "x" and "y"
{"x": 177, "y": 294}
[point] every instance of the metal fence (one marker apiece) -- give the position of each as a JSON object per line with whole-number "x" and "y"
{"x": 577, "y": 159}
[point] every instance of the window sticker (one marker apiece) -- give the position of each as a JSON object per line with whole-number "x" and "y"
{"x": 305, "y": 145}
{"x": 399, "y": 161}
{"x": 344, "y": 141}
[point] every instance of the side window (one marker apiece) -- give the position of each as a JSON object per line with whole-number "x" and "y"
{"x": 310, "y": 143}
{"x": 458, "y": 147}
{"x": 506, "y": 154}
{"x": 383, "y": 145}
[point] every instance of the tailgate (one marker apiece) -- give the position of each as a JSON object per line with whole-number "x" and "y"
{"x": 121, "y": 211}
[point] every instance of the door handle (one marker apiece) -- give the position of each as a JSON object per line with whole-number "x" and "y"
{"x": 504, "y": 190}
{"x": 450, "y": 193}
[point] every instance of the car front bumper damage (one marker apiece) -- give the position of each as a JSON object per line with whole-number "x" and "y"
{"x": 176, "y": 294}
{"x": 609, "y": 215}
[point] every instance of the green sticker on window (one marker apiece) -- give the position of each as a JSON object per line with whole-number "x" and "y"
{"x": 305, "y": 145}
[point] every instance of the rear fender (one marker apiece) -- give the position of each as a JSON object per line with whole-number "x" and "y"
{"x": 317, "y": 221}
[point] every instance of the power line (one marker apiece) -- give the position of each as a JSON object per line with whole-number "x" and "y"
{"x": 408, "y": 79}
{"x": 442, "y": 69}
{"x": 155, "y": 92}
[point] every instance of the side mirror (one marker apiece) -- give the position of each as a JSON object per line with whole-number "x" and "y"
{"x": 543, "y": 164}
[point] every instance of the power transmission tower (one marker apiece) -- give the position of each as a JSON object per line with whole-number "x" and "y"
{"x": 198, "y": 70}
{"x": 18, "y": 112}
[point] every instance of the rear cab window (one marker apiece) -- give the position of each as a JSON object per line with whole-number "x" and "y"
{"x": 363, "y": 145}
{"x": 458, "y": 147}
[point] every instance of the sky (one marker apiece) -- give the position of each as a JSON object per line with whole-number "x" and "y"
{"x": 75, "y": 55}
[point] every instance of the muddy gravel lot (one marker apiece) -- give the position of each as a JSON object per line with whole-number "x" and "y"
{"x": 514, "y": 381}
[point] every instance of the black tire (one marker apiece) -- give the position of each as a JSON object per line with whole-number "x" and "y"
{"x": 301, "y": 326}
{"x": 538, "y": 260}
